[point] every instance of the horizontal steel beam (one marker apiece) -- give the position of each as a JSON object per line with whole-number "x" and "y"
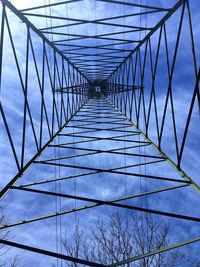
{"x": 157, "y": 251}
{"x": 49, "y": 253}
{"x": 135, "y": 5}
{"x": 50, "y": 5}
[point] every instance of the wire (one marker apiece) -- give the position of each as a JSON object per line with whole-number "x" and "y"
{"x": 125, "y": 176}
{"x": 139, "y": 75}
{"x": 68, "y": 41}
{"x": 52, "y": 38}
{"x": 146, "y": 198}
{"x": 56, "y": 202}
{"x": 74, "y": 180}
{"x": 60, "y": 203}
{"x": 55, "y": 150}
{"x": 96, "y": 38}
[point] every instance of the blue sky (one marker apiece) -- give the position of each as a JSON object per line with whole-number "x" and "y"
{"x": 22, "y": 205}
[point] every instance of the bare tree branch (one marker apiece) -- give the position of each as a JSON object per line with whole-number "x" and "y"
{"x": 113, "y": 240}
{"x": 5, "y": 234}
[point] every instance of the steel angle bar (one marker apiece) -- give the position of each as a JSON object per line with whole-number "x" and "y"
{"x": 134, "y": 28}
{"x": 116, "y": 117}
{"x": 106, "y": 129}
{"x": 29, "y": 24}
{"x": 102, "y": 113}
{"x": 2, "y": 30}
{"x": 103, "y": 66}
{"x": 87, "y": 123}
{"x": 134, "y": 141}
{"x": 124, "y": 90}
{"x": 82, "y": 47}
{"x": 26, "y": 167}
{"x": 115, "y": 122}
{"x": 135, "y": 5}
{"x": 115, "y": 149}
{"x": 49, "y": 253}
{"x": 102, "y": 60}
{"x": 74, "y": 93}
{"x": 155, "y": 28}
{"x": 57, "y": 179}
{"x": 105, "y": 19}
{"x": 41, "y": 83}
{"x": 113, "y": 170}
{"x": 69, "y": 157}
{"x": 97, "y": 151}
{"x": 10, "y": 137}
{"x": 168, "y": 159}
{"x": 70, "y": 143}
{"x": 189, "y": 118}
{"x": 83, "y": 132}
{"x": 75, "y": 61}
{"x": 102, "y": 56}
{"x": 118, "y": 85}
{"x": 50, "y": 5}
{"x": 82, "y": 126}
{"x": 92, "y": 114}
{"x": 81, "y": 21}
{"x": 83, "y": 37}
{"x": 74, "y": 87}
{"x": 98, "y": 203}
{"x": 111, "y": 203}
{"x": 87, "y": 116}
{"x": 158, "y": 251}
{"x": 91, "y": 131}
{"x": 96, "y": 137}
{"x": 94, "y": 111}
{"x": 22, "y": 83}
{"x": 71, "y": 177}
{"x": 92, "y": 106}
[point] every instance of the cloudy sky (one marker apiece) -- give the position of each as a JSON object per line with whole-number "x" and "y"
{"x": 19, "y": 205}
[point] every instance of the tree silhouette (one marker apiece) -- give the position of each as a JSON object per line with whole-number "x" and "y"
{"x": 118, "y": 239}
{"x": 5, "y": 234}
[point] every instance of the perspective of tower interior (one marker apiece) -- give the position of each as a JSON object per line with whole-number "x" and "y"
{"x": 100, "y": 133}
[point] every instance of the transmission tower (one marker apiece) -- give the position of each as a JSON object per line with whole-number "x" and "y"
{"x": 99, "y": 114}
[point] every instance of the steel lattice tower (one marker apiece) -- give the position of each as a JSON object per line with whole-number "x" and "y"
{"x": 97, "y": 122}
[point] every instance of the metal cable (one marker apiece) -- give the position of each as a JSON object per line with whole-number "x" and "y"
{"x": 55, "y": 149}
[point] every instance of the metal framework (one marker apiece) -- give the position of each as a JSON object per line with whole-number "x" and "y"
{"x": 67, "y": 65}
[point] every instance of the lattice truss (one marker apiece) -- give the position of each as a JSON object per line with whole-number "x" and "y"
{"x": 99, "y": 108}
